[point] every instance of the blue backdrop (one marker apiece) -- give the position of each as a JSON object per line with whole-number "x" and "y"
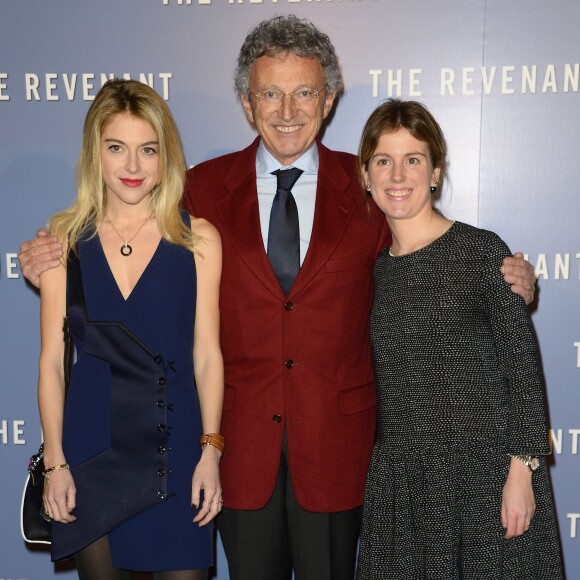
{"x": 501, "y": 77}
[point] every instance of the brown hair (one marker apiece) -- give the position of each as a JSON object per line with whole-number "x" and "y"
{"x": 393, "y": 115}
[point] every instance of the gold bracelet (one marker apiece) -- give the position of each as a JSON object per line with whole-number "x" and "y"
{"x": 46, "y": 473}
{"x": 214, "y": 439}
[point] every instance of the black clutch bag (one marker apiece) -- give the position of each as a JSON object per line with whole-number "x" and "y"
{"x": 34, "y": 524}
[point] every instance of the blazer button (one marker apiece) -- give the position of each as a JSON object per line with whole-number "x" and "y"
{"x": 289, "y": 363}
{"x": 161, "y": 404}
{"x": 276, "y": 418}
{"x": 162, "y": 381}
{"x": 158, "y": 359}
{"x": 289, "y": 305}
{"x": 161, "y": 450}
{"x": 161, "y": 428}
{"x": 161, "y": 495}
{"x": 161, "y": 472}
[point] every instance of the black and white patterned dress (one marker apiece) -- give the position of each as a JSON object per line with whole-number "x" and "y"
{"x": 459, "y": 388}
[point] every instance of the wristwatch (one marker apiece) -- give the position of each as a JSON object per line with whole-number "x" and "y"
{"x": 532, "y": 462}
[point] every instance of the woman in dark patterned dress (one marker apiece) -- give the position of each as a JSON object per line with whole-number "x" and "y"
{"x": 128, "y": 485}
{"x": 458, "y": 486}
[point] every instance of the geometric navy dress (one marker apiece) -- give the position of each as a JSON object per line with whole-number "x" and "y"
{"x": 132, "y": 421}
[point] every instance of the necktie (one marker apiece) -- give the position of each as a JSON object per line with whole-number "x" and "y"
{"x": 284, "y": 231}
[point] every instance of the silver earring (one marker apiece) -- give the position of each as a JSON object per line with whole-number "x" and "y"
{"x": 368, "y": 186}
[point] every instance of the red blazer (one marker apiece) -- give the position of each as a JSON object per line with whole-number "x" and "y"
{"x": 301, "y": 363}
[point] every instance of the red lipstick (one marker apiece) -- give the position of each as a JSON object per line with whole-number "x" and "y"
{"x": 132, "y": 182}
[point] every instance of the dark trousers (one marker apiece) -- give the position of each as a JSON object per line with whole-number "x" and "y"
{"x": 269, "y": 543}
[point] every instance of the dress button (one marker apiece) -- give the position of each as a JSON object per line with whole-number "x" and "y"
{"x": 161, "y": 472}
{"x": 160, "y": 427}
{"x": 276, "y": 418}
{"x": 161, "y": 495}
{"x": 289, "y": 363}
{"x": 289, "y": 305}
{"x": 161, "y": 450}
{"x": 161, "y": 404}
{"x": 162, "y": 381}
{"x": 158, "y": 360}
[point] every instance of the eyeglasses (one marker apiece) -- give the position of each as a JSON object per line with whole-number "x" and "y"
{"x": 274, "y": 98}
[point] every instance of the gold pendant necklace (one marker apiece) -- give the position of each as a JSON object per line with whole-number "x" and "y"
{"x": 126, "y": 250}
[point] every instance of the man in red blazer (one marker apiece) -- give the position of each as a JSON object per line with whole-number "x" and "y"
{"x": 299, "y": 408}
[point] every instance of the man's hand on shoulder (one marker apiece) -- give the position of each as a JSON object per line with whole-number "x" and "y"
{"x": 38, "y": 255}
{"x": 520, "y": 275}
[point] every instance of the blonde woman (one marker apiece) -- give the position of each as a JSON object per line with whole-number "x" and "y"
{"x": 132, "y": 453}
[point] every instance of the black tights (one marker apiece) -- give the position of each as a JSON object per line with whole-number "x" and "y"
{"x": 95, "y": 563}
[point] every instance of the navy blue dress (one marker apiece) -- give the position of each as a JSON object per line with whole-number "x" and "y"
{"x": 132, "y": 421}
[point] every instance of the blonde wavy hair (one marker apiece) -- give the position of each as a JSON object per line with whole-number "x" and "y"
{"x": 88, "y": 209}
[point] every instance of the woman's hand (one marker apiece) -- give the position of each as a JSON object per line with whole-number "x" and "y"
{"x": 518, "y": 504}
{"x": 59, "y": 496}
{"x": 206, "y": 476}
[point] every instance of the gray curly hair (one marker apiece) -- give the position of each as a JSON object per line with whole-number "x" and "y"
{"x": 288, "y": 34}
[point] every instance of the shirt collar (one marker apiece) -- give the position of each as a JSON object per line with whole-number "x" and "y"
{"x": 266, "y": 162}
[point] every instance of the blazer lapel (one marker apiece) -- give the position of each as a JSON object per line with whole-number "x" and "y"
{"x": 238, "y": 208}
{"x": 334, "y": 209}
